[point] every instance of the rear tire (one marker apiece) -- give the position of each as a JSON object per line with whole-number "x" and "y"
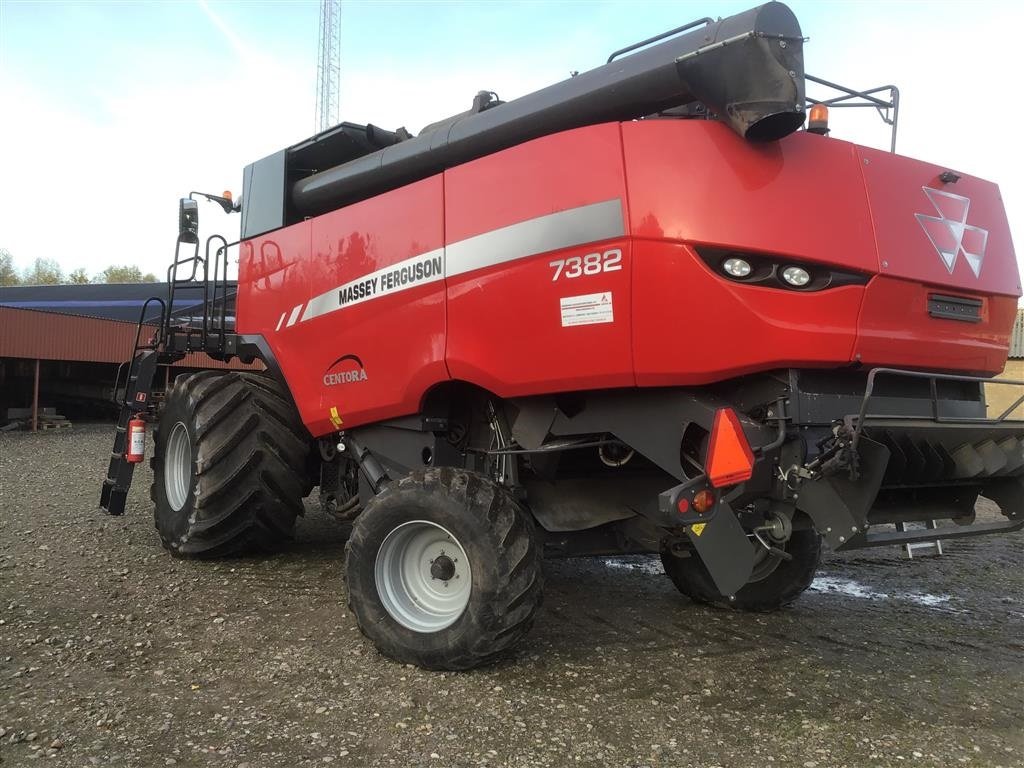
{"x": 411, "y": 553}
{"x": 229, "y": 465}
{"x": 779, "y": 588}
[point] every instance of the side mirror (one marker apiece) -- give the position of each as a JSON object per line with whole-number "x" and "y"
{"x": 188, "y": 221}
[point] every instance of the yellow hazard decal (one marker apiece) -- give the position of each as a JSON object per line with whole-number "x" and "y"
{"x": 335, "y": 418}
{"x": 698, "y": 528}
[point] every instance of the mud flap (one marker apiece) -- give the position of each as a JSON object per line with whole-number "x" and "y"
{"x": 839, "y": 506}
{"x": 724, "y": 549}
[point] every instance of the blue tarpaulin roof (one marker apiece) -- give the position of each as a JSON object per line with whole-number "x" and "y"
{"x": 111, "y": 301}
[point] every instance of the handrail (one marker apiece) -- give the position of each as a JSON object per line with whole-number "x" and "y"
{"x": 868, "y": 99}
{"x": 211, "y": 307}
{"x": 153, "y": 344}
{"x": 662, "y": 36}
{"x": 172, "y": 278}
{"x": 934, "y": 378}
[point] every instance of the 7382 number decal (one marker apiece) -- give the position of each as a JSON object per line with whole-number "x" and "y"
{"x": 591, "y": 264}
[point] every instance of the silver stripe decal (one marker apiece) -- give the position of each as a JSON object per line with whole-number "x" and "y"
{"x": 281, "y": 321}
{"x": 552, "y": 232}
{"x": 576, "y": 226}
{"x": 410, "y": 273}
{"x": 294, "y": 315}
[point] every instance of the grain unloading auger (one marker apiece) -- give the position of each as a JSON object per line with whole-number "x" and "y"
{"x": 746, "y": 69}
{"x": 635, "y": 311}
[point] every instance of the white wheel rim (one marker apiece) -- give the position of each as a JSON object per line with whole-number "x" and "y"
{"x": 423, "y": 576}
{"x": 178, "y": 467}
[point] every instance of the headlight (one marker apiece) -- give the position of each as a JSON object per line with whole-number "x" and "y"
{"x": 798, "y": 277}
{"x": 737, "y": 267}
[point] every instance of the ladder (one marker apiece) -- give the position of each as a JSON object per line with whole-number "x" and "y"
{"x": 929, "y": 547}
{"x": 189, "y": 274}
{"x": 136, "y": 399}
{"x": 138, "y": 388}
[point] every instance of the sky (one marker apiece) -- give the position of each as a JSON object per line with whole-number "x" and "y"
{"x": 109, "y": 112}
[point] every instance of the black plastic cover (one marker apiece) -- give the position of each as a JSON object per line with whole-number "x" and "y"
{"x": 264, "y": 195}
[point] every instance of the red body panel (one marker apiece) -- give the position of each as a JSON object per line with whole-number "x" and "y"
{"x": 895, "y": 326}
{"x": 692, "y": 327}
{"x": 895, "y": 188}
{"x": 697, "y": 182}
{"x": 569, "y": 263}
{"x": 501, "y": 318}
{"x": 271, "y": 276}
{"x": 398, "y": 339}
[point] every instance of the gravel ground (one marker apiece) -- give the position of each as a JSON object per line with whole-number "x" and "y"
{"x": 112, "y": 653}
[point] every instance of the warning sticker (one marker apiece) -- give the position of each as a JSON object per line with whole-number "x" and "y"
{"x": 591, "y": 309}
{"x": 698, "y": 528}
{"x": 335, "y": 417}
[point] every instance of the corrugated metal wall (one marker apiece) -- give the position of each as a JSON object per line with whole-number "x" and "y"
{"x": 1017, "y": 337}
{"x": 35, "y": 335}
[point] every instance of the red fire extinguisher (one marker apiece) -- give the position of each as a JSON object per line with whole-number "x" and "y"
{"x": 136, "y": 443}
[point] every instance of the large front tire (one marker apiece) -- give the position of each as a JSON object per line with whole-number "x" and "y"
{"x": 443, "y": 570}
{"x": 229, "y": 465}
{"x": 784, "y": 584}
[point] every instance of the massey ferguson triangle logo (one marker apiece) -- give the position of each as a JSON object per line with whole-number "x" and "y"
{"x": 950, "y": 233}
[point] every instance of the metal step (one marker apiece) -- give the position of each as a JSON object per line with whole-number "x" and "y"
{"x": 933, "y": 547}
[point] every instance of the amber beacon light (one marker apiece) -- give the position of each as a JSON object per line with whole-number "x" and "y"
{"x": 817, "y": 121}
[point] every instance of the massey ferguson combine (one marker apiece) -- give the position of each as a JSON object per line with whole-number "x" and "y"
{"x": 638, "y": 311}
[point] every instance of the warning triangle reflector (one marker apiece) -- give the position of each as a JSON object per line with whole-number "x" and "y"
{"x": 730, "y": 459}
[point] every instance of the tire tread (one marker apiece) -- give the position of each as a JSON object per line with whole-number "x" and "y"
{"x": 781, "y": 588}
{"x": 250, "y": 451}
{"x": 506, "y": 530}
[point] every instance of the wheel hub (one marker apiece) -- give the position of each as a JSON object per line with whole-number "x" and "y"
{"x": 779, "y": 528}
{"x": 442, "y": 568}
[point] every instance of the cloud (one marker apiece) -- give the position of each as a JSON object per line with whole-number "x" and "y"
{"x": 102, "y": 187}
{"x": 92, "y": 191}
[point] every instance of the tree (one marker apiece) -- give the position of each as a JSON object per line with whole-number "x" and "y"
{"x": 79, "y": 277}
{"x": 8, "y": 274}
{"x": 43, "y": 272}
{"x": 125, "y": 274}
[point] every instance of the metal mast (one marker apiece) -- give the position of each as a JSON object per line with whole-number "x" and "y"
{"x": 328, "y": 68}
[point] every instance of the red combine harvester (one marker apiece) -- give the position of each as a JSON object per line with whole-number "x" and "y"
{"x": 638, "y": 311}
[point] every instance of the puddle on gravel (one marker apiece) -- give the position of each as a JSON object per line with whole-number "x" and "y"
{"x": 828, "y": 584}
{"x": 651, "y": 566}
{"x": 823, "y": 583}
